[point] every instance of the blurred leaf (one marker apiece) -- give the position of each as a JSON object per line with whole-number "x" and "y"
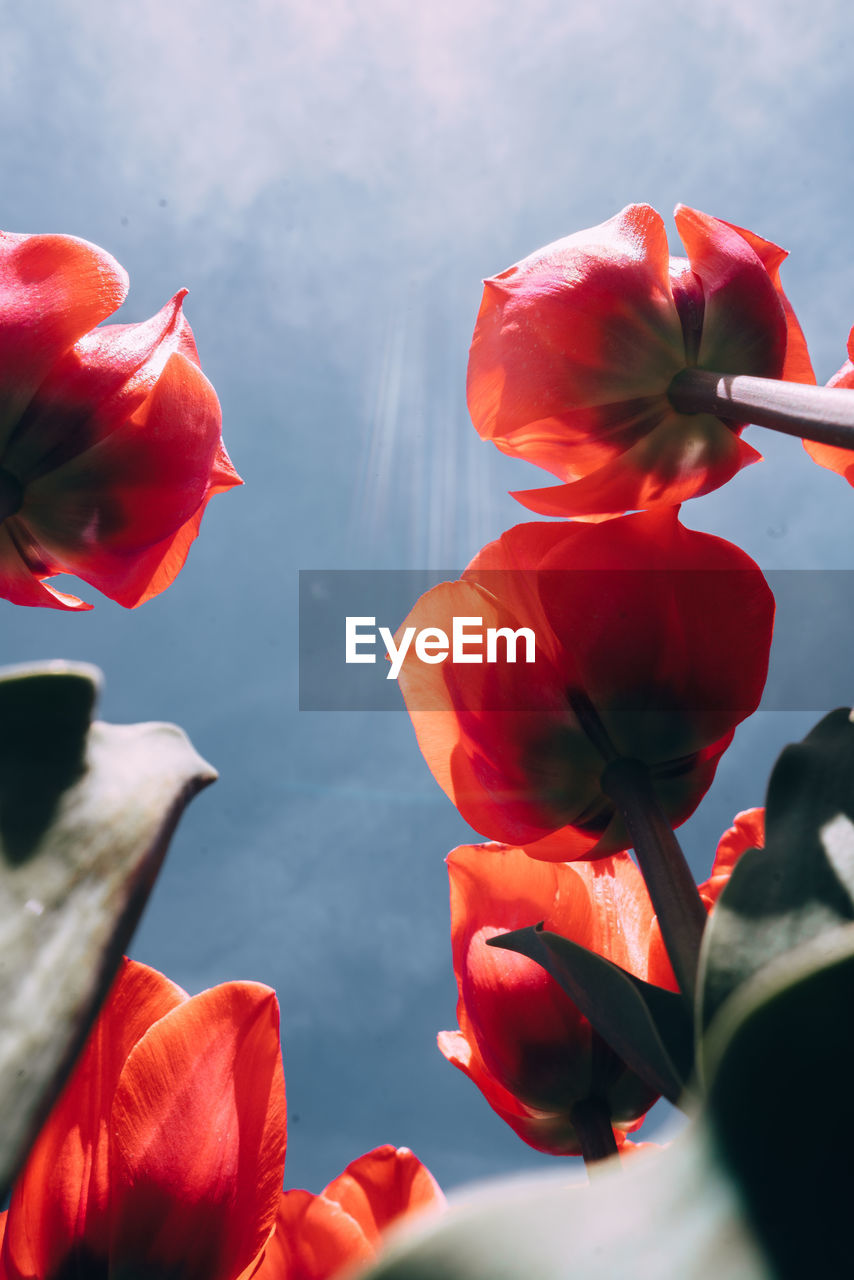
{"x": 669, "y": 1215}
{"x": 86, "y": 814}
{"x": 802, "y": 883}
{"x": 647, "y": 1026}
{"x": 780, "y": 1065}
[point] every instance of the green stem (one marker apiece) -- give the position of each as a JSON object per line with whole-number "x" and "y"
{"x": 823, "y": 414}
{"x": 668, "y": 877}
{"x": 591, "y": 1120}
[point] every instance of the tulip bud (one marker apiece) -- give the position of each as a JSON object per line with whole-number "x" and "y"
{"x": 522, "y": 1041}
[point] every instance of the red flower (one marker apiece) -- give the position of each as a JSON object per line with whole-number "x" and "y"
{"x": 522, "y": 1040}
{"x": 165, "y": 1151}
{"x": 662, "y": 633}
{"x": 746, "y": 832}
{"x": 575, "y": 348}
{"x": 110, "y": 438}
{"x": 317, "y": 1235}
{"x": 826, "y": 455}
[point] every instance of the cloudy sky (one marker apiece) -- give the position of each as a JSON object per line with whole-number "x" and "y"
{"x": 332, "y": 182}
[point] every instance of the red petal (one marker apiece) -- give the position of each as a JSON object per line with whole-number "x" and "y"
{"x": 839, "y": 460}
{"x": 587, "y": 321}
{"x": 686, "y": 456}
{"x": 797, "y": 366}
{"x": 22, "y": 569}
{"x": 94, "y": 388}
{"x": 198, "y": 1140}
{"x": 744, "y": 322}
{"x": 123, "y": 514}
{"x": 60, "y": 1204}
{"x": 53, "y": 289}
{"x": 313, "y": 1240}
{"x": 746, "y": 832}
{"x": 382, "y": 1186}
{"x": 549, "y": 1132}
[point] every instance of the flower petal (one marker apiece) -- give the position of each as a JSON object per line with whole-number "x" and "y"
{"x": 797, "y": 366}
{"x": 827, "y": 455}
{"x": 198, "y": 1137}
{"x": 382, "y": 1186}
{"x": 746, "y": 832}
{"x": 744, "y": 321}
{"x": 60, "y": 1204}
{"x": 122, "y": 515}
{"x": 314, "y": 1238}
{"x": 22, "y": 569}
{"x": 53, "y": 289}
{"x": 685, "y": 456}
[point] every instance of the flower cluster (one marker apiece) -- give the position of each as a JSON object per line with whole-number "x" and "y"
{"x": 629, "y": 374}
{"x": 625, "y": 372}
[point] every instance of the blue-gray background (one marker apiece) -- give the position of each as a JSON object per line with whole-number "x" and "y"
{"x": 331, "y": 181}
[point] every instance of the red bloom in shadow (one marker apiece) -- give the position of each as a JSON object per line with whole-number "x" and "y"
{"x": 826, "y": 455}
{"x": 317, "y": 1235}
{"x": 110, "y": 437}
{"x": 575, "y": 348}
{"x": 164, "y": 1154}
{"x": 658, "y": 634}
{"x": 522, "y": 1040}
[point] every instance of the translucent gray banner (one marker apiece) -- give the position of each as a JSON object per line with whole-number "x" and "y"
{"x": 812, "y": 655}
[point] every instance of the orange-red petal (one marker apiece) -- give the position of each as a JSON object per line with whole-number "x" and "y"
{"x": 60, "y": 1204}
{"x": 827, "y": 455}
{"x": 383, "y": 1185}
{"x": 198, "y": 1137}
{"x": 313, "y": 1239}
{"x": 746, "y": 832}
{"x": 53, "y": 289}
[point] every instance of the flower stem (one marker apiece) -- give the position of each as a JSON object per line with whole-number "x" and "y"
{"x": 668, "y": 877}
{"x": 823, "y": 414}
{"x": 591, "y": 1119}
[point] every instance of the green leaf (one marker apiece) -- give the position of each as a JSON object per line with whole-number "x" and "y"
{"x": 86, "y": 814}
{"x": 647, "y": 1026}
{"x": 802, "y": 883}
{"x": 780, "y": 1065}
{"x": 670, "y": 1213}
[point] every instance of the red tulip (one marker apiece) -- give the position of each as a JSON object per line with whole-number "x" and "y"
{"x": 164, "y": 1154}
{"x": 110, "y": 437}
{"x": 522, "y": 1041}
{"x": 576, "y": 346}
{"x": 658, "y": 633}
{"x": 827, "y": 455}
{"x": 317, "y": 1235}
